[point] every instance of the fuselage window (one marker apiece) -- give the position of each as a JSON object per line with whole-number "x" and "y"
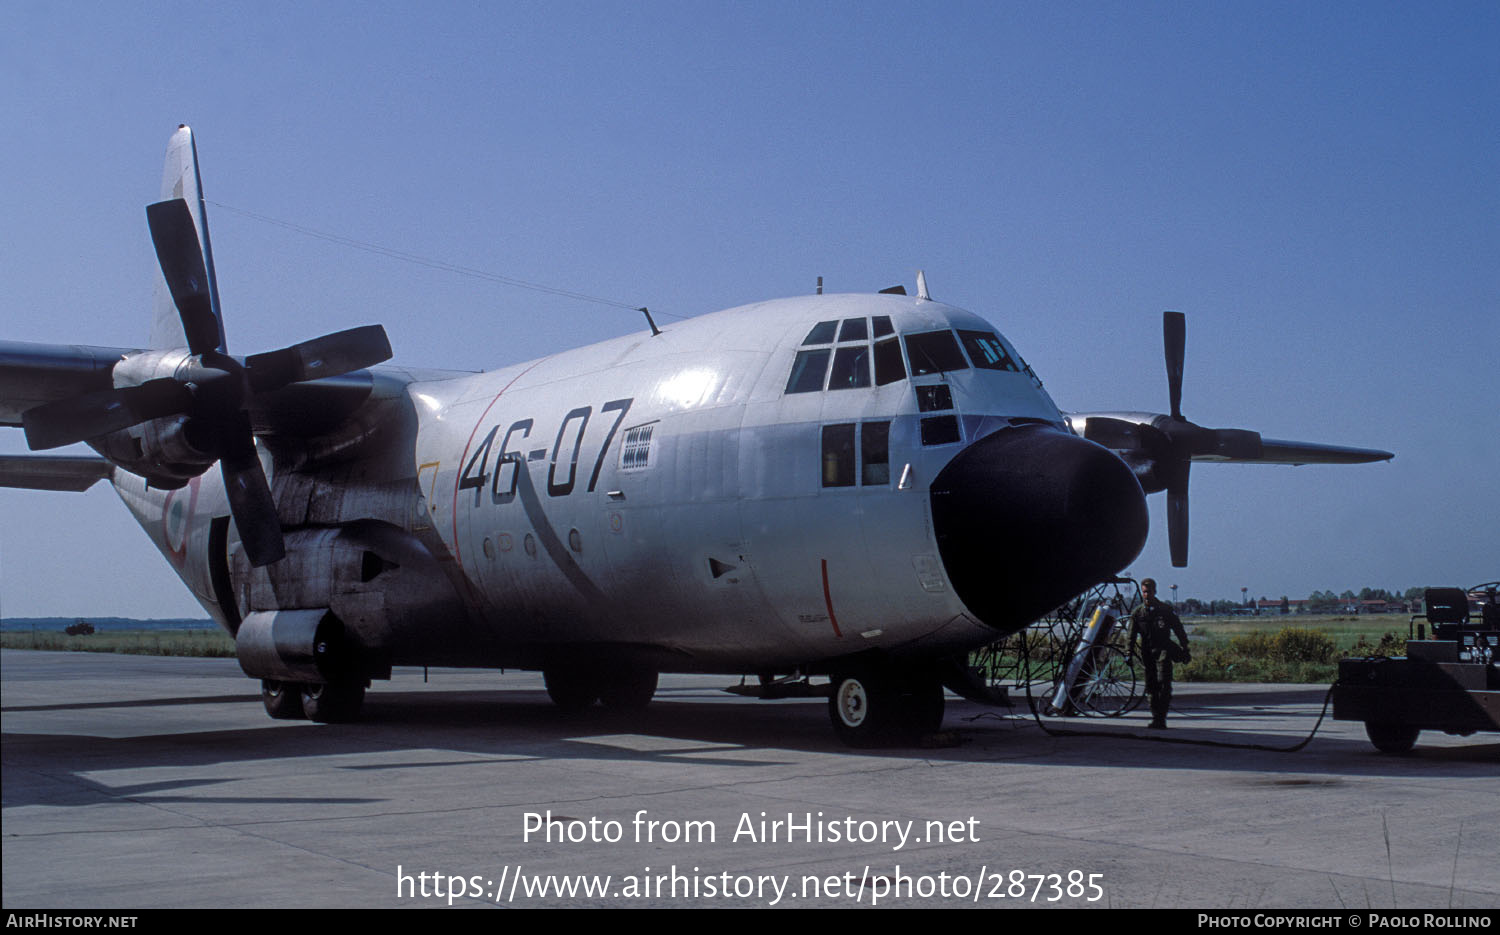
{"x": 838, "y": 455}
{"x": 821, "y": 333}
{"x": 635, "y": 450}
{"x": 889, "y": 367}
{"x": 851, "y": 368}
{"x": 854, "y": 329}
{"x": 941, "y": 430}
{"x": 986, "y": 351}
{"x": 808, "y": 371}
{"x": 934, "y": 398}
{"x": 875, "y": 452}
{"x": 934, "y": 352}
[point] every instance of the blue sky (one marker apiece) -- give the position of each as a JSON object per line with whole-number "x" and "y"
{"x": 1316, "y": 185}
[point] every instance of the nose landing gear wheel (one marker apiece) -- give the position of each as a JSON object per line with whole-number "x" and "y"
{"x": 873, "y": 706}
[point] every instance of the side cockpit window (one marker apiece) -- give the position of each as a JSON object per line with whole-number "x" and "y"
{"x": 821, "y": 333}
{"x": 851, "y": 368}
{"x": 853, "y": 358}
{"x": 889, "y": 367}
{"x": 808, "y": 371}
{"x": 854, "y": 329}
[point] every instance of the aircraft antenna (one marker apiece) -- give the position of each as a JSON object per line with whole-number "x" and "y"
{"x": 428, "y": 262}
{"x": 820, "y": 285}
{"x": 647, "y": 312}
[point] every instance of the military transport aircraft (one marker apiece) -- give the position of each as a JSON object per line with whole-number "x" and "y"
{"x": 858, "y": 486}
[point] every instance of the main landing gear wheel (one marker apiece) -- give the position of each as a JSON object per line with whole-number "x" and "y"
{"x": 873, "y": 706}
{"x": 283, "y": 700}
{"x": 627, "y": 689}
{"x": 1392, "y": 738}
{"x": 333, "y": 702}
{"x": 573, "y": 690}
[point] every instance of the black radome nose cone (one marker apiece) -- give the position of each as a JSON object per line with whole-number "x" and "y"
{"x": 1031, "y": 516}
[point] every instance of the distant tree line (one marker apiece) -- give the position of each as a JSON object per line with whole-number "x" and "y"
{"x": 1318, "y": 602}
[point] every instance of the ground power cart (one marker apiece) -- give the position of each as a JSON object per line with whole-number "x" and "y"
{"x": 1450, "y": 682}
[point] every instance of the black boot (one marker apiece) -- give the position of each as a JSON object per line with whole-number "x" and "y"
{"x": 1158, "y": 713}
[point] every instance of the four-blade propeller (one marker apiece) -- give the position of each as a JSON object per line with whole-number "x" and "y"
{"x": 211, "y": 388}
{"x": 1166, "y": 445}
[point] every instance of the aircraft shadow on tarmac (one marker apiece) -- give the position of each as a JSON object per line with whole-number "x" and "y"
{"x": 506, "y": 727}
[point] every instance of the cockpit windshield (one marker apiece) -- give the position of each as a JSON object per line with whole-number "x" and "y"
{"x": 853, "y": 347}
{"x": 934, "y": 352}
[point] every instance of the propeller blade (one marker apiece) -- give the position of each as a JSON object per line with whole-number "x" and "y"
{"x": 76, "y": 419}
{"x": 327, "y": 356}
{"x": 249, "y": 495}
{"x": 181, "y": 257}
{"x": 1174, "y": 341}
{"x": 1177, "y": 515}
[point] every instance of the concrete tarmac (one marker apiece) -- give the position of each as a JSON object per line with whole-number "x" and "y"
{"x": 136, "y": 782}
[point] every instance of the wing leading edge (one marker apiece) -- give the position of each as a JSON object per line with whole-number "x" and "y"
{"x": 75, "y": 473}
{"x": 1278, "y": 451}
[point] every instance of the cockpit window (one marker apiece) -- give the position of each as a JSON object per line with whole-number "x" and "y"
{"x": 889, "y": 368}
{"x": 934, "y": 352}
{"x": 808, "y": 370}
{"x": 822, "y": 333}
{"x": 986, "y": 351}
{"x": 854, "y": 356}
{"x": 851, "y": 368}
{"x": 854, "y": 329}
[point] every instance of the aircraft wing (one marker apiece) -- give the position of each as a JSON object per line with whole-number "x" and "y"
{"x": 1158, "y": 436}
{"x": 53, "y": 472}
{"x": 33, "y": 374}
{"x": 1160, "y": 447}
{"x": 1278, "y": 451}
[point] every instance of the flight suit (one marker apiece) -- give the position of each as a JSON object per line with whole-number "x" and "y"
{"x": 1154, "y": 624}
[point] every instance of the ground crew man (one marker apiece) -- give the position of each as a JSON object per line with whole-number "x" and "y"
{"x": 1154, "y": 624}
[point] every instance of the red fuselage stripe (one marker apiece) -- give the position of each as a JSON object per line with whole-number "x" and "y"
{"x": 828, "y": 600}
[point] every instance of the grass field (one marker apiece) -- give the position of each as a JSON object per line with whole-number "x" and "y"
{"x": 135, "y": 642}
{"x": 1227, "y": 649}
{"x": 1287, "y": 649}
{"x": 1301, "y": 649}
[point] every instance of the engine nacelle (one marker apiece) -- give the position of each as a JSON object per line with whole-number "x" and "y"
{"x": 171, "y": 451}
{"x": 389, "y": 597}
{"x": 167, "y": 452}
{"x": 293, "y": 646}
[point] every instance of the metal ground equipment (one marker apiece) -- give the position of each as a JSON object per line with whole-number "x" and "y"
{"x": 1450, "y": 682}
{"x": 1076, "y": 660}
